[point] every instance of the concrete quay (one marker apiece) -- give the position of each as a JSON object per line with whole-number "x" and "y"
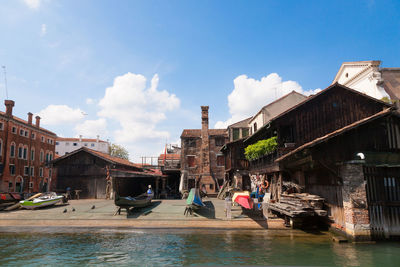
{"x": 162, "y": 214}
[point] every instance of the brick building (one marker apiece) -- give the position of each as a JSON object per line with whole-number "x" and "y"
{"x": 25, "y": 151}
{"x": 201, "y": 159}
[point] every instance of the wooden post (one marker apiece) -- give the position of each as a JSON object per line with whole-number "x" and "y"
{"x": 156, "y": 191}
{"x": 279, "y": 184}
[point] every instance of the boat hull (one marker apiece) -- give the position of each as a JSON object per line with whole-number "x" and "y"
{"x": 194, "y": 199}
{"x": 141, "y": 201}
{"x": 34, "y": 204}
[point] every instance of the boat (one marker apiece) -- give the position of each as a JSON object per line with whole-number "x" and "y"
{"x": 243, "y": 199}
{"x": 194, "y": 199}
{"x": 8, "y": 199}
{"x": 44, "y": 200}
{"x": 140, "y": 201}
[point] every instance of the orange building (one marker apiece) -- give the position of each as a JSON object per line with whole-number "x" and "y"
{"x": 26, "y": 150}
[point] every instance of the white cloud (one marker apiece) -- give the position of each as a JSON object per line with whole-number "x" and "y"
{"x": 138, "y": 110}
{"x": 34, "y": 4}
{"x": 90, "y": 101}
{"x": 250, "y": 95}
{"x": 60, "y": 114}
{"x": 92, "y": 128}
{"x": 43, "y": 30}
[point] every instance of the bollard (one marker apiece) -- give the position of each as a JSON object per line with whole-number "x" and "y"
{"x": 228, "y": 208}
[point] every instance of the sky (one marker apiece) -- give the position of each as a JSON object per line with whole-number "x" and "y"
{"x": 137, "y": 72}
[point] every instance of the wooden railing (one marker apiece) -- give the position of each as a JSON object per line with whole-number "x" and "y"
{"x": 269, "y": 159}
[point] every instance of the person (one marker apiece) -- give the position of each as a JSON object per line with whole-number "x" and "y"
{"x": 149, "y": 191}
{"x": 68, "y": 193}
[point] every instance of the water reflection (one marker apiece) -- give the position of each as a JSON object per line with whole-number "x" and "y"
{"x": 159, "y": 248}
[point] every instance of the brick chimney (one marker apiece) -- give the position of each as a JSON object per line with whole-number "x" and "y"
{"x": 30, "y": 118}
{"x": 9, "y": 107}
{"x": 205, "y": 144}
{"x": 37, "y": 121}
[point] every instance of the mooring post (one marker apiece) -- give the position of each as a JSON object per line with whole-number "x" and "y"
{"x": 228, "y": 208}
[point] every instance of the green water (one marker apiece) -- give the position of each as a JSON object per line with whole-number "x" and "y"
{"x": 126, "y": 247}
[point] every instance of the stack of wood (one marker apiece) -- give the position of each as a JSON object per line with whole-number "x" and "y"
{"x": 299, "y": 205}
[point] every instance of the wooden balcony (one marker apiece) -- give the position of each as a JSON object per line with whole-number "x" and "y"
{"x": 267, "y": 163}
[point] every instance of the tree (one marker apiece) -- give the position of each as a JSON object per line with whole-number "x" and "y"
{"x": 118, "y": 151}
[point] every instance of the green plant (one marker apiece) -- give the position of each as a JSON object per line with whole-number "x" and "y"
{"x": 260, "y": 148}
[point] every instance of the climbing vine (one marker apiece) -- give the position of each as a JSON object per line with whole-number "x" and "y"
{"x": 261, "y": 148}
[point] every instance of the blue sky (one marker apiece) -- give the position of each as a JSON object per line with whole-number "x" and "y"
{"x": 61, "y": 56}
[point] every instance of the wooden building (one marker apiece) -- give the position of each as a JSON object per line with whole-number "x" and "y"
{"x": 360, "y": 124}
{"x": 201, "y": 159}
{"x": 89, "y": 170}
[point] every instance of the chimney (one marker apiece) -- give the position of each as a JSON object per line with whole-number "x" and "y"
{"x": 37, "y": 121}
{"x": 98, "y": 138}
{"x": 205, "y": 145}
{"x": 9, "y": 107}
{"x": 80, "y": 138}
{"x": 30, "y": 118}
{"x": 204, "y": 118}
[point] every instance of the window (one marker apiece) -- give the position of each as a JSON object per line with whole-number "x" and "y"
{"x": 41, "y": 172}
{"x": 245, "y": 132}
{"x": 26, "y": 133}
{"x": 67, "y": 143}
{"x": 41, "y": 156}
{"x": 56, "y": 152}
{"x": 21, "y": 132}
{"x": 25, "y": 153}
{"x": 219, "y": 141}
{"x": 220, "y": 161}
{"x": 1, "y": 147}
{"x": 92, "y": 145}
{"x": 85, "y": 144}
{"x": 211, "y": 186}
{"x": 32, "y": 171}
{"x": 26, "y": 171}
{"x": 75, "y": 144}
{"x": 255, "y": 127}
{"x": 12, "y": 150}
{"x": 14, "y": 130}
{"x": 32, "y": 154}
{"x": 30, "y": 184}
{"x": 191, "y": 142}
{"x": 57, "y": 143}
{"x": 47, "y": 157}
{"x": 235, "y": 133}
{"x": 12, "y": 169}
{"x": 1, "y": 126}
{"x": 191, "y": 161}
{"x": 43, "y": 139}
{"x": 20, "y": 152}
{"x": 33, "y": 136}
{"x": 50, "y": 172}
{"x": 51, "y": 156}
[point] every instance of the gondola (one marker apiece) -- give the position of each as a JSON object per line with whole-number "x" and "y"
{"x": 127, "y": 203}
{"x": 193, "y": 201}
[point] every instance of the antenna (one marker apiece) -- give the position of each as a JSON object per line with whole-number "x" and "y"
{"x": 5, "y": 80}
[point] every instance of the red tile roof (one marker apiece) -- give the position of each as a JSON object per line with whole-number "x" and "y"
{"x": 337, "y": 132}
{"x": 197, "y": 132}
{"x": 26, "y": 123}
{"x": 169, "y": 156}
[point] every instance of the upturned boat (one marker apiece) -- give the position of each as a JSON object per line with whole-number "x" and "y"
{"x": 243, "y": 199}
{"x": 194, "y": 199}
{"x": 140, "y": 201}
{"x": 46, "y": 199}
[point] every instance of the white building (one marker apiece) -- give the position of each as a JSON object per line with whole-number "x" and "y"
{"x": 67, "y": 145}
{"x": 368, "y": 78}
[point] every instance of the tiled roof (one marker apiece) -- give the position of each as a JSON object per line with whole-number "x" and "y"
{"x": 197, "y": 132}
{"x": 242, "y": 123}
{"x": 337, "y": 132}
{"x": 104, "y": 156}
{"x": 169, "y": 156}
{"x": 77, "y": 139}
{"x": 26, "y": 123}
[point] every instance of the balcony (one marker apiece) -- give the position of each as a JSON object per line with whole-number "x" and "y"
{"x": 268, "y": 161}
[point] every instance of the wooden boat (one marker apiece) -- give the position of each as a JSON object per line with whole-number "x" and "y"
{"x": 140, "y": 201}
{"x": 46, "y": 199}
{"x": 194, "y": 199}
{"x": 243, "y": 199}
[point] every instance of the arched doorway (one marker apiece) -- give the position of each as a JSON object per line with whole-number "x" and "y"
{"x": 19, "y": 184}
{"x": 44, "y": 185}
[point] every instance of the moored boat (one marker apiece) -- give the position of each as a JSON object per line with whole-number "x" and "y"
{"x": 243, "y": 199}
{"x": 140, "y": 201}
{"x": 46, "y": 199}
{"x": 194, "y": 199}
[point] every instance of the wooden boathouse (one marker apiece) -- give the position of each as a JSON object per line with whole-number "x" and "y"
{"x": 90, "y": 171}
{"x": 344, "y": 146}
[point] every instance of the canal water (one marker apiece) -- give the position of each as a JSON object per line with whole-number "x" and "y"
{"x": 124, "y": 247}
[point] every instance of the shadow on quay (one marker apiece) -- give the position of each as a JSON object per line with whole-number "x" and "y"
{"x": 136, "y": 212}
{"x": 208, "y": 211}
